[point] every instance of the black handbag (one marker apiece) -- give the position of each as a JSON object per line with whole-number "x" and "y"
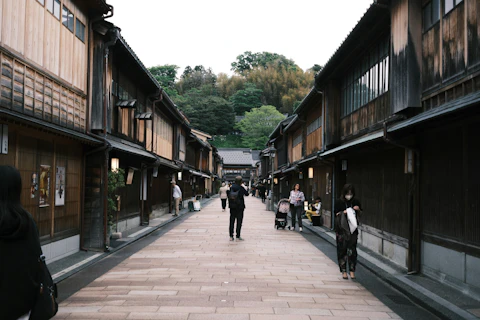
{"x": 46, "y": 305}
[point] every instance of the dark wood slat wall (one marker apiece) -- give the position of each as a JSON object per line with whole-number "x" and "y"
{"x": 382, "y": 188}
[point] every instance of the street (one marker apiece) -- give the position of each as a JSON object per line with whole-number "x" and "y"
{"x": 190, "y": 270}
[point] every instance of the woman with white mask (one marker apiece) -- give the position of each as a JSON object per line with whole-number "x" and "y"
{"x": 347, "y": 209}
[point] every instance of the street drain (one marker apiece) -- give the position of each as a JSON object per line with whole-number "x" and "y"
{"x": 399, "y": 299}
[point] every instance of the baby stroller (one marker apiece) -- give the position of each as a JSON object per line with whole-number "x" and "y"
{"x": 281, "y": 214}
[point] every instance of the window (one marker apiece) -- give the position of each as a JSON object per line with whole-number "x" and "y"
{"x": 431, "y": 14}
{"x": 53, "y": 6}
{"x": 297, "y": 140}
{"x": 67, "y": 18}
{"x": 367, "y": 80}
{"x": 42, "y": 2}
{"x": 80, "y": 30}
{"x": 317, "y": 123}
{"x": 450, "y": 4}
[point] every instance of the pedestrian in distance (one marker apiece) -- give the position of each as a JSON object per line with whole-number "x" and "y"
{"x": 236, "y": 203}
{"x": 223, "y": 195}
{"x": 347, "y": 209}
{"x": 177, "y": 197}
{"x": 20, "y": 285}
{"x": 261, "y": 191}
{"x": 296, "y": 200}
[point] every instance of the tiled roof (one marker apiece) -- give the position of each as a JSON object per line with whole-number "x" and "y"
{"x": 238, "y": 156}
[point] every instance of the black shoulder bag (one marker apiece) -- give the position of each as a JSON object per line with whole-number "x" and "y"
{"x": 46, "y": 305}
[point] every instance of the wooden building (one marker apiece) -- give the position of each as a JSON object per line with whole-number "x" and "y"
{"x": 399, "y": 100}
{"x": 239, "y": 162}
{"x": 142, "y": 131}
{"x": 44, "y": 110}
{"x": 298, "y": 157}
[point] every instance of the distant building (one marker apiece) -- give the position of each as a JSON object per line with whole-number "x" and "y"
{"x": 239, "y": 162}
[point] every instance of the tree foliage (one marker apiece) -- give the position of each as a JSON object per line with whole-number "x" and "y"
{"x": 246, "y": 99}
{"x": 211, "y": 102}
{"x": 208, "y": 113}
{"x": 196, "y": 78}
{"x": 258, "y": 124}
{"x": 166, "y": 76}
{"x": 249, "y": 61}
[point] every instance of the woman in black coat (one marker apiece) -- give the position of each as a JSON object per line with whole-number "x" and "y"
{"x": 346, "y": 240}
{"x": 19, "y": 250}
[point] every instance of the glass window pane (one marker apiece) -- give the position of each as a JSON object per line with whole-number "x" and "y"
{"x": 50, "y": 5}
{"x": 56, "y": 8}
{"x": 80, "y": 30}
{"x": 449, "y": 4}
{"x": 65, "y": 17}
{"x": 387, "y": 73}
{"x": 427, "y": 16}
{"x": 435, "y": 11}
{"x": 70, "y": 21}
{"x": 42, "y": 2}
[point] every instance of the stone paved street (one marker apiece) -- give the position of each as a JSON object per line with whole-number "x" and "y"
{"x": 194, "y": 272}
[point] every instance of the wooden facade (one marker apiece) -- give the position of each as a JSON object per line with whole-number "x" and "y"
{"x": 385, "y": 129}
{"x": 44, "y": 103}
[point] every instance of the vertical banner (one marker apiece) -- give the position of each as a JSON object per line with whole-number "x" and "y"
{"x": 44, "y": 182}
{"x": 60, "y": 187}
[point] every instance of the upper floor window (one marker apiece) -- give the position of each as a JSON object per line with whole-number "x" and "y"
{"x": 317, "y": 123}
{"x": 297, "y": 140}
{"x": 450, "y": 4}
{"x": 42, "y": 2}
{"x": 54, "y": 7}
{"x": 67, "y": 18}
{"x": 80, "y": 30}
{"x": 368, "y": 79}
{"x": 431, "y": 14}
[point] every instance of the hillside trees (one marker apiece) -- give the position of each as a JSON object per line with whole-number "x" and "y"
{"x": 166, "y": 76}
{"x": 207, "y": 112}
{"x": 246, "y": 99}
{"x": 257, "y": 126}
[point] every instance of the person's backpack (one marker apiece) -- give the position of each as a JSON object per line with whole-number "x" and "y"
{"x": 234, "y": 199}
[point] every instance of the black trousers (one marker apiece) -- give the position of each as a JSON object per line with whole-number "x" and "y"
{"x": 224, "y": 203}
{"x": 236, "y": 214}
{"x": 347, "y": 251}
{"x": 296, "y": 214}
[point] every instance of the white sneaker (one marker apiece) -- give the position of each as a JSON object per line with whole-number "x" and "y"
{"x": 292, "y": 229}
{"x": 300, "y": 229}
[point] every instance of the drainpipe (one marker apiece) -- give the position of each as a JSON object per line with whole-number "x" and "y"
{"x": 414, "y": 244}
{"x": 106, "y": 146}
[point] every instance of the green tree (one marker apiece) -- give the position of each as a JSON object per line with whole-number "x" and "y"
{"x": 208, "y": 113}
{"x": 245, "y": 100}
{"x": 166, "y": 76}
{"x": 196, "y": 78}
{"x": 281, "y": 87}
{"x": 257, "y": 126}
{"x": 249, "y": 61}
{"x": 227, "y": 141}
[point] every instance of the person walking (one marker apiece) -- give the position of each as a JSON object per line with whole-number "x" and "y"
{"x": 20, "y": 250}
{"x": 296, "y": 200}
{"x": 347, "y": 209}
{"x": 261, "y": 191}
{"x": 223, "y": 195}
{"x": 177, "y": 197}
{"x": 236, "y": 203}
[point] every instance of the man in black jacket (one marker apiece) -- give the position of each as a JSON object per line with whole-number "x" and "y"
{"x": 236, "y": 203}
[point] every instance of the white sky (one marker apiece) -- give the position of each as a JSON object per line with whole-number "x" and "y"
{"x": 213, "y": 33}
